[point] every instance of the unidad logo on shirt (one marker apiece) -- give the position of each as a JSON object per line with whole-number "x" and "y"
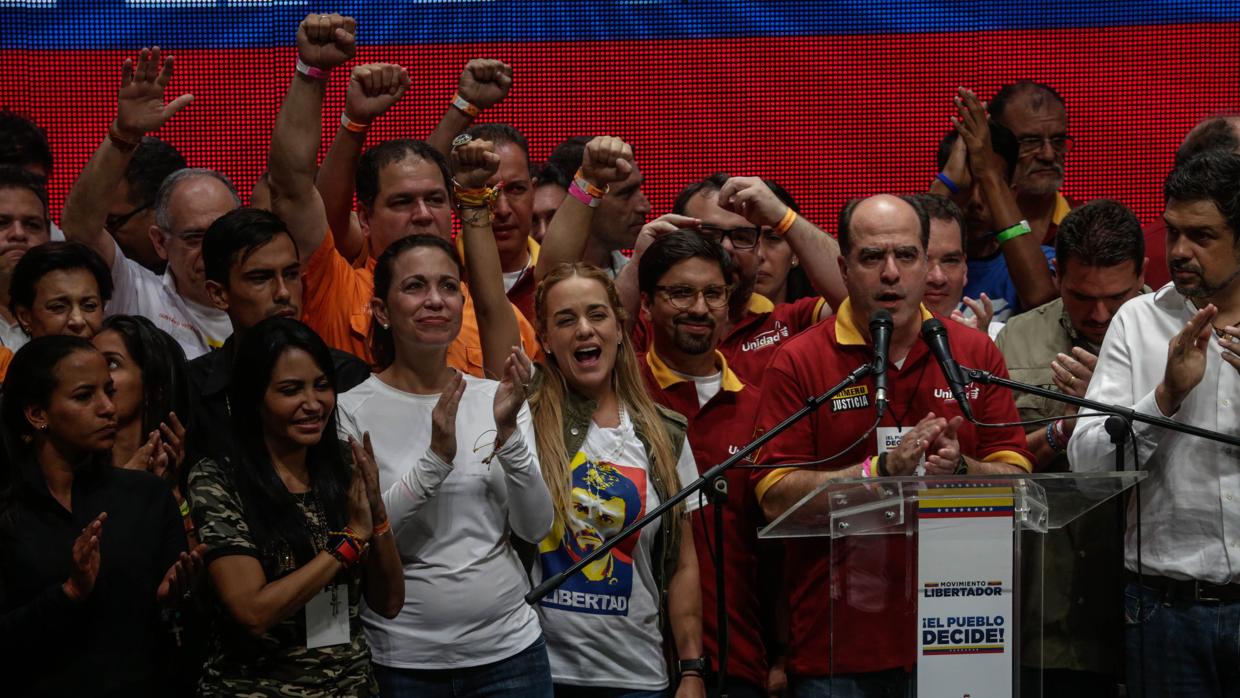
{"x": 766, "y": 339}
{"x": 854, "y": 398}
{"x": 946, "y": 395}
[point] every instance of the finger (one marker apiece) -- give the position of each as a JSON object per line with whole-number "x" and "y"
{"x": 990, "y": 307}
{"x": 127, "y": 72}
{"x": 165, "y": 72}
{"x": 1233, "y": 359}
{"x": 1200, "y": 321}
{"x": 953, "y": 427}
{"x": 1086, "y": 359}
{"x": 369, "y": 447}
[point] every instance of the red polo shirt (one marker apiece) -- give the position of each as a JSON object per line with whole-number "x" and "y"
{"x": 716, "y": 431}
{"x": 751, "y": 343}
{"x": 875, "y": 609}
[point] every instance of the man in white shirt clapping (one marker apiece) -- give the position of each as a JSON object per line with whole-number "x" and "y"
{"x": 1176, "y": 353}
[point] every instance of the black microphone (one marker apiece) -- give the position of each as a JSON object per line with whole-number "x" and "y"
{"x": 935, "y": 335}
{"x": 880, "y": 332}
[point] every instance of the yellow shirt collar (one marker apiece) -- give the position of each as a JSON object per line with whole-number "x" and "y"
{"x": 1062, "y": 208}
{"x": 666, "y": 377}
{"x": 759, "y": 304}
{"x": 846, "y": 332}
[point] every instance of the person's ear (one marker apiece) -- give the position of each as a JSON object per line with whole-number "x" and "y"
{"x": 36, "y": 416}
{"x": 22, "y": 313}
{"x": 159, "y": 241}
{"x": 217, "y": 294}
{"x": 378, "y": 309}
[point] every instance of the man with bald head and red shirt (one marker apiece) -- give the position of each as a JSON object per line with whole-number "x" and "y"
{"x": 883, "y": 260}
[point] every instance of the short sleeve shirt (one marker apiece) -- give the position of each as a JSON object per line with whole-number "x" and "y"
{"x": 602, "y": 625}
{"x": 278, "y": 663}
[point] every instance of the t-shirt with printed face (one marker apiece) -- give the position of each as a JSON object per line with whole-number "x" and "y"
{"x": 602, "y": 625}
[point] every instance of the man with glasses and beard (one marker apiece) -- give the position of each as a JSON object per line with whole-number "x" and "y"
{"x": 1176, "y": 353}
{"x": 685, "y": 280}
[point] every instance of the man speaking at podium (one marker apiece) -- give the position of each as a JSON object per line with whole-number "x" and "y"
{"x": 883, "y": 242}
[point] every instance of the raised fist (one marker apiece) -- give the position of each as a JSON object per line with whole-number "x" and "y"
{"x": 326, "y": 41}
{"x": 140, "y": 106}
{"x": 474, "y": 163}
{"x": 751, "y": 198}
{"x": 484, "y": 83}
{"x": 606, "y": 159}
{"x": 373, "y": 89}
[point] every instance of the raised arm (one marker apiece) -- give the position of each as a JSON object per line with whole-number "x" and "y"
{"x": 1026, "y": 263}
{"x": 324, "y": 42}
{"x": 819, "y": 253}
{"x": 606, "y": 160}
{"x": 140, "y": 109}
{"x": 483, "y": 84}
{"x": 626, "y": 280}
{"x": 373, "y": 89}
{"x": 475, "y": 164}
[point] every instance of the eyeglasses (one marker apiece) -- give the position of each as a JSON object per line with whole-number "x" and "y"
{"x": 742, "y": 238}
{"x": 685, "y": 297}
{"x": 1032, "y": 144}
{"x": 115, "y": 222}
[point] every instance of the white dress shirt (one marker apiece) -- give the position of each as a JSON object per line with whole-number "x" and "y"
{"x": 140, "y": 291}
{"x": 1190, "y": 516}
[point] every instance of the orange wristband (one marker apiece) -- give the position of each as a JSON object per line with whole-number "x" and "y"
{"x": 785, "y": 223}
{"x": 382, "y": 529}
{"x": 351, "y": 125}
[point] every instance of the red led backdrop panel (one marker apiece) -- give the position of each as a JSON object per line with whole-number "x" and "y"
{"x": 830, "y": 117}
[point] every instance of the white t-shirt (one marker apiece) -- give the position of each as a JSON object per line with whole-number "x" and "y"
{"x": 464, "y": 584}
{"x": 512, "y": 277}
{"x": 140, "y": 291}
{"x": 707, "y": 386}
{"x": 12, "y": 336}
{"x": 602, "y": 625}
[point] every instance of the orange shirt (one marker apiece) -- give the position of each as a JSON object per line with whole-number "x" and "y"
{"x": 6, "y": 357}
{"x": 336, "y": 305}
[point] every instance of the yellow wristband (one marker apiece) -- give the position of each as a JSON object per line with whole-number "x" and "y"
{"x": 785, "y": 223}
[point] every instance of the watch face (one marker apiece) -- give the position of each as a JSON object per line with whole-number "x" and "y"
{"x": 461, "y": 140}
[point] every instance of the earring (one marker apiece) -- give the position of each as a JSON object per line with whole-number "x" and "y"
{"x": 42, "y": 428}
{"x": 384, "y": 325}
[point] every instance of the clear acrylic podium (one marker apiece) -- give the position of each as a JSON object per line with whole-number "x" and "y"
{"x": 927, "y": 570}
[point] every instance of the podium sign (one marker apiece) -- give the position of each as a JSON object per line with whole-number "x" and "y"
{"x": 965, "y": 591}
{"x": 943, "y": 553}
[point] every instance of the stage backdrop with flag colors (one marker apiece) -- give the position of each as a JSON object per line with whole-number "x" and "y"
{"x": 833, "y": 100}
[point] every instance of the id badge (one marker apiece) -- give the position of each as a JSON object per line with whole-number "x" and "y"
{"x": 889, "y": 438}
{"x": 327, "y": 617}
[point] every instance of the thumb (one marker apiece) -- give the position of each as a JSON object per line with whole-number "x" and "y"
{"x": 624, "y": 166}
{"x": 491, "y": 158}
{"x": 176, "y": 105}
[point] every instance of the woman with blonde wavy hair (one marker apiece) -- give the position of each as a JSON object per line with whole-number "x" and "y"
{"x": 609, "y": 454}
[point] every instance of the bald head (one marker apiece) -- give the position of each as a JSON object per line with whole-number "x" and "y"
{"x": 883, "y": 243}
{"x": 878, "y": 213}
{"x": 1218, "y": 132}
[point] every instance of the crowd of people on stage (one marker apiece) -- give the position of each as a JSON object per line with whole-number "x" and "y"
{"x": 323, "y": 444}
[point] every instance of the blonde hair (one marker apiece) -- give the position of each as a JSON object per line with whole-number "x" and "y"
{"x": 547, "y": 402}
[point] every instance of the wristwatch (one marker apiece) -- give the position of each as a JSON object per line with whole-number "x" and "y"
{"x": 700, "y": 665}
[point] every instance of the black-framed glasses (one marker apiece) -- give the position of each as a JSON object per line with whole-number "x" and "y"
{"x": 685, "y": 297}
{"x": 115, "y": 222}
{"x": 742, "y": 238}
{"x": 1032, "y": 144}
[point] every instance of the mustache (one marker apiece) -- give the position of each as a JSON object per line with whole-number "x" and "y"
{"x": 1180, "y": 266}
{"x": 695, "y": 319}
